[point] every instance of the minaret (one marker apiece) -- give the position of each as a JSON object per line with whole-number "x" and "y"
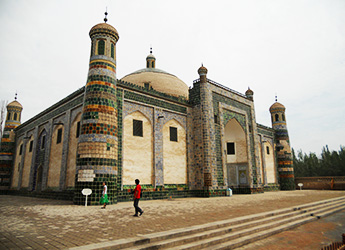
{"x": 97, "y": 145}
{"x": 283, "y": 149}
{"x": 13, "y": 116}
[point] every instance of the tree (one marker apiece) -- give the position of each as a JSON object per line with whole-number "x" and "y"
{"x": 3, "y": 105}
{"x": 329, "y": 164}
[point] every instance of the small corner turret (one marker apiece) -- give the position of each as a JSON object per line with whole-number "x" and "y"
{"x": 202, "y": 71}
{"x": 250, "y": 94}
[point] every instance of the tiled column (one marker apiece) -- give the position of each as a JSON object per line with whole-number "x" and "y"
{"x": 98, "y": 141}
{"x": 284, "y": 154}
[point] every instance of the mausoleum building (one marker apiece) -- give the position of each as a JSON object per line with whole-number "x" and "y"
{"x": 180, "y": 141}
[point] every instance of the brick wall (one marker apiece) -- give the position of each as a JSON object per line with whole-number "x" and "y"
{"x": 321, "y": 183}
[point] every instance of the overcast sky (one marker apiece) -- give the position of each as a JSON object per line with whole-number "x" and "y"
{"x": 292, "y": 49}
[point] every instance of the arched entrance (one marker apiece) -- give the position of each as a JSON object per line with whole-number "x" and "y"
{"x": 236, "y": 153}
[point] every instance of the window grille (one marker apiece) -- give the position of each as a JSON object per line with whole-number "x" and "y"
{"x": 230, "y": 148}
{"x": 59, "y": 136}
{"x": 173, "y": 134}
{"x": 137, "y": 128}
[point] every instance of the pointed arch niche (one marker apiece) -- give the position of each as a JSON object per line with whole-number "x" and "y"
{"x": 27, "y": 162}
{"x": 72, "y": 150}
{"x": 37, "y": 174}
{"x": 235, "y": 142}
{"x": 137, "y": 149}
{"x": 55, "y": 157}
{"x": 269, "y": 163}
{"x": 17, "y": 163}
{"x": 174, "y": 153}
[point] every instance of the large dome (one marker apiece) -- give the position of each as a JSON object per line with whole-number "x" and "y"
{"x": 158, "y": 79}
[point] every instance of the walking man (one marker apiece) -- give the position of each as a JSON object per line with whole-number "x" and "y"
{"x": 136, "y": 197}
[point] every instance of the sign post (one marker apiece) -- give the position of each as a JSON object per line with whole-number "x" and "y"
{"x": 86, "y": 192}
{"x": 300, "y": 186}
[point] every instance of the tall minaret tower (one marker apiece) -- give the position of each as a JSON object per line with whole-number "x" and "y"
{"x": 284, "y": 155}
{"x": 97, "y": 145}
{"x": 13, "y": 116}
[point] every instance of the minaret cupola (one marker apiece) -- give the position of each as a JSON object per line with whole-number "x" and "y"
{"x": 151, "y": 60}
{"x": 14, "y": 112}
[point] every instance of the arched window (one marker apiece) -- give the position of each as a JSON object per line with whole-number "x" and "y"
{"x": 78, "y": 130}
{"x": 101, "y": 46}
{"x": 277, "y": 117}
{"x": 112, "y": 51}
{"x": 153, "y": 64}
{"x": 9, "y": 116}
{"x": 15, "y": 116}
{"x": 283, "y": 117}
{"x": 92, "y": 47}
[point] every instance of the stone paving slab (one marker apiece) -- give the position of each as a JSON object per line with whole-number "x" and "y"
{"x": 32, "y": 223}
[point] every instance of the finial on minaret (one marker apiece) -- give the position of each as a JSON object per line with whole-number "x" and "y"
{"x": 15, "y": 96}
{"x": 276, "y": 98}
{"x": 105, "y": 13}
{"x": 151, "y": 50}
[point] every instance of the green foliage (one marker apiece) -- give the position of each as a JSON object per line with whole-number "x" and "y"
{"x": 328, "y": 164}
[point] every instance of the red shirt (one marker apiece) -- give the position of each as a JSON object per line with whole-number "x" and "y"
{"x": 137, "y": 192}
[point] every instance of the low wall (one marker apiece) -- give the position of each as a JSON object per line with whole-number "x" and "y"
{"x": 321, "y": 183}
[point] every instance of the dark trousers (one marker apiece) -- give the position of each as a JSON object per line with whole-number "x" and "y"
{"x": 136, "y": 205}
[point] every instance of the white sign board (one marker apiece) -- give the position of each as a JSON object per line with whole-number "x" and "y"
{"x": 300, "y": 185}
{"x": 86, "y": 192}
{"x": 86, "y": 175}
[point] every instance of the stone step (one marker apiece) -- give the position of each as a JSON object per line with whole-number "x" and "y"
{"x": 261, "y": 235}
{"x": 236, "y": 231}
{"x": 241, "y": 237}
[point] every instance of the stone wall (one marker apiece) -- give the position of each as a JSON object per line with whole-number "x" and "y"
{"x": 321, "y": 183}
{"x": 46, "y": 166}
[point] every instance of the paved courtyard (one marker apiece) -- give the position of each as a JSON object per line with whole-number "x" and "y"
{"x": 32, "y": 223}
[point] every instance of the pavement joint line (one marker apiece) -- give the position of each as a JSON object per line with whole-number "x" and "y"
{"x": 147, "y": 238}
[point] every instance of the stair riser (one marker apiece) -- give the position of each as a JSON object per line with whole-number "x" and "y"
{"x": 298, "y": 212}
{"x": 262, "y": 236}
{"x": 225, "y": 239}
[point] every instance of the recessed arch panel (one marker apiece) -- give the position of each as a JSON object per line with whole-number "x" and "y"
{"x": 174, "y": 153}
{"x": 137, "y": 150}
